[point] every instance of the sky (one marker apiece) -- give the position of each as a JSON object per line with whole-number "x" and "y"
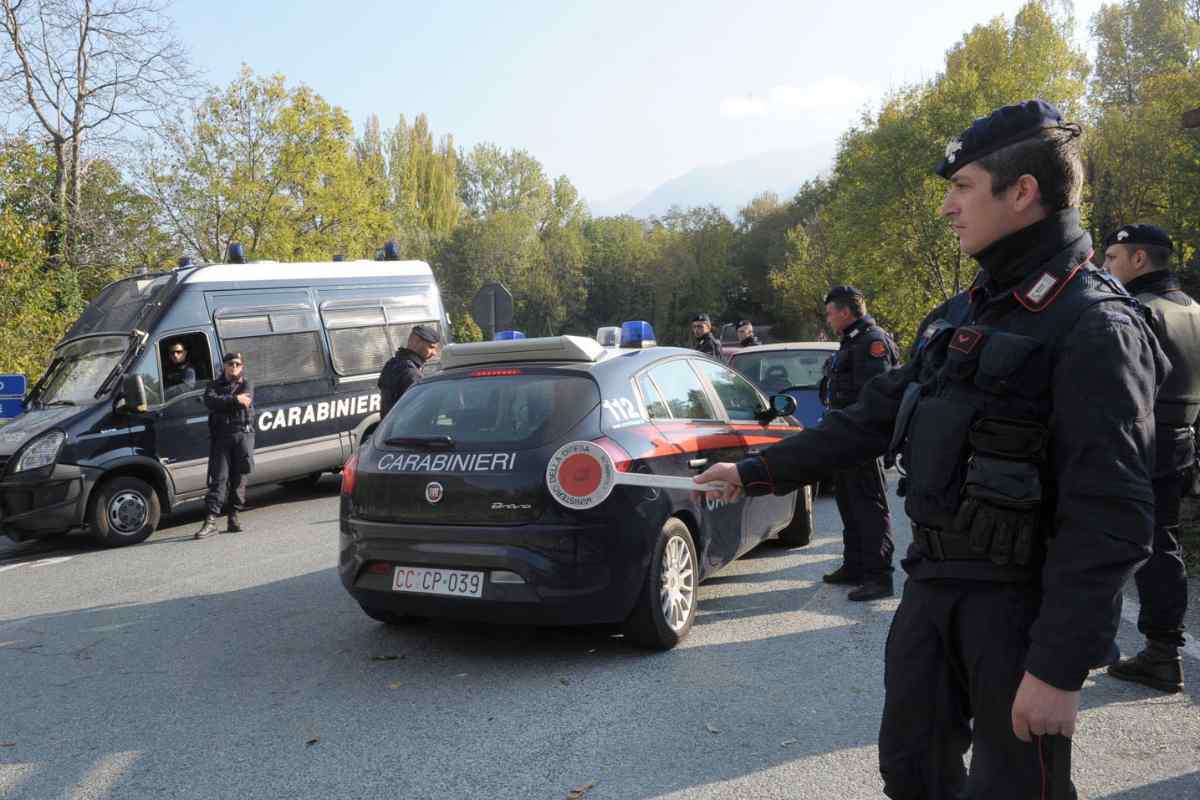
{"x": 619, "y": 95}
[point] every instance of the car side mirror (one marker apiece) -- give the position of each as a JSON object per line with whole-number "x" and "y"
{"x": 134, "y": 389}
{"x": 783, "y": 405}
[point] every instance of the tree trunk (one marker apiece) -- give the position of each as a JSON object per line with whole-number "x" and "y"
{"x": 58, "y": 214}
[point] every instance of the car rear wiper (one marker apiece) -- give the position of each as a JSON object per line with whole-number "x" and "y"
{"x": 432, "y": 441}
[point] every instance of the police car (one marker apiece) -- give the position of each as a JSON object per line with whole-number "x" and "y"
{"x": 482, "y": 494}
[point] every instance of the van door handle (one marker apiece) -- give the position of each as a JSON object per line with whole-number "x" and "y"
{"x": 698, "y": 463}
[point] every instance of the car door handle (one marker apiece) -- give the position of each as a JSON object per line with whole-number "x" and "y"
{"x": 698, "y": 463}
{"x": 754, "y": 451}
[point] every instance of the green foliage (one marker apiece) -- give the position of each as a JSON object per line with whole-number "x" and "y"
{"x": 464, "y": 328}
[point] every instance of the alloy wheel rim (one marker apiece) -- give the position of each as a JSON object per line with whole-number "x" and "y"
{"x": 677, "y": 592}
{"x": 127, "y": 512}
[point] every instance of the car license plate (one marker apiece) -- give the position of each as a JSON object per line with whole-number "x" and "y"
{"x": 427, "y": 580}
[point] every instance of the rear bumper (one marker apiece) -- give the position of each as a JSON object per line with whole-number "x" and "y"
{"x": 42, "y": 506}
{"x": 574, "y": 575}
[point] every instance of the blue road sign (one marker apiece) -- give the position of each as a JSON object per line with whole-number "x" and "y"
{"x": 11, "y": 407}
{"x": 12, "y": 386}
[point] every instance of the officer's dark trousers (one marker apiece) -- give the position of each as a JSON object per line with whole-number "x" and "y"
{"x": 862, "y": 501}
{"x": 956, "y": 653}
{"x": 1162, "y": 581}
{"x": 229, "y": 459}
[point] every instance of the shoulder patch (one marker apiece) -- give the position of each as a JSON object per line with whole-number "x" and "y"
{"x": 878, "y": 349}
{"x": 1037, "y": 293}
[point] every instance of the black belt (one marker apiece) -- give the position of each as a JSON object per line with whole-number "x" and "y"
{"x": 945, "y": 546}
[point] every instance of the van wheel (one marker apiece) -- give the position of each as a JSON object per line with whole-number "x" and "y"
{"x": 124, "y": 511}
{"x": 309, "y": 481}
{"x": 391, "y": 617}
{"x": 666, "y": 605}
{"x": 799, "y": 532}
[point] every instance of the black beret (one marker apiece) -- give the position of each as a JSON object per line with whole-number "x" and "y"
{"x": 741, "y": 323}
{"x": 1151, "y": 235}
{"x": 427, "y": 333}
{"x": 843, "y": 293}
{"x": 701, "y": 318}
{"x": 233, "y": 356}
{"x": 1004, "y": 126}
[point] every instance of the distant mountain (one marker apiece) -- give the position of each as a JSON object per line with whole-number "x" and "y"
{"x": 618, "y": 204}
{"x": 732, "y": 186}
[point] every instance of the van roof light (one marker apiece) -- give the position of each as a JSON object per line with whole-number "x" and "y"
{"x": 236, "y": 254}
{"x": 637, "y": 333}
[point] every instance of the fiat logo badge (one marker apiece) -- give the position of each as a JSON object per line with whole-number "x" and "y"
{"x": 434, "y": 492}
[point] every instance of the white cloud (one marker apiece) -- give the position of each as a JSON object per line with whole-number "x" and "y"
{"x": 835, "y": 93}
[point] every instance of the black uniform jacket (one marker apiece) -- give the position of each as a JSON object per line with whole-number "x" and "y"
{"x": 865, "y": 351}
{"x": 1093, "y": 384}
{"x": 750, "y": 341}
{"x": 709, "y": 344}
{"x": 399, "y": 373}
{"x": 226, "y": 414}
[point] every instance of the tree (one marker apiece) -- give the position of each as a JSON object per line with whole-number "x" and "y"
{"x": 85, "y": 72}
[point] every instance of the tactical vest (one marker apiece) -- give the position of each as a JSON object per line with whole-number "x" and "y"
{"x": 842, "y": 389}
{"x": 1175, "y": 319}
{"x": 983, "y": 396}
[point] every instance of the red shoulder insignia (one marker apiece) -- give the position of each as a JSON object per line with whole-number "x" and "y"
{"x": 878, "y": 349}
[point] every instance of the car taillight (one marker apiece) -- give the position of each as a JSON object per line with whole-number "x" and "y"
{"x": 349, "y": 474}
{"x": 494, "y": 373}
{"x": 621, "y": 458}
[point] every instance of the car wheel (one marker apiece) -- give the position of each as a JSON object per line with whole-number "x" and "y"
{"x": 309, "y": 481}
{"x": 666, "y": 605}
{"x": 391, "y": 617}
{"x": 799, "y": 532}
{"x": 124, "y": 511}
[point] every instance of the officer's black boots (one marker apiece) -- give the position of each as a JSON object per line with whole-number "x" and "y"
{"x": 234, "y": 525}
{"x": 208, "y": 528}
{"x": 1159, "y": 666}
{"x": 843, "y": 575}
{"x": 873, "y": 588}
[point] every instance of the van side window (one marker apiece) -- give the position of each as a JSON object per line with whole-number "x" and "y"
{"x": 362, "y": 338}
{"x": 190, "y": 370}
{"x": 279, "y": 345}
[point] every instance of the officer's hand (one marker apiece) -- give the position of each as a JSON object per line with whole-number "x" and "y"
{"x": 726, "y": 473}
{"x": 245, "y": 400}
{"x": 1040, "y": 709}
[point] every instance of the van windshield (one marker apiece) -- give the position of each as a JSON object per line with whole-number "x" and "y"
{"x": 79, "y": 368}
{"x": 519, "y": 411}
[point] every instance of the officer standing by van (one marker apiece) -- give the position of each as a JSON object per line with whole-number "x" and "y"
{"x": 702, "y": 333}
{"x": 745, "y": 334}
{"x": 404, "y": 369}
{"x": 1025, "y": 414}
{"x": 1140, "y": 256}
{"x": 230, "y": 402}
{"x": 861, "y": 490}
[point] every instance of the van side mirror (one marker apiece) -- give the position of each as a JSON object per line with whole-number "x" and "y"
{"x": 134, "y": 389}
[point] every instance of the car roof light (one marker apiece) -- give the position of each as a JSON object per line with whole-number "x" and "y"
{"x": 506, "y": 336}
{"x": 550, "y": 348}
{"x": 637, "y": 333}
{"x": 609, "y": 335}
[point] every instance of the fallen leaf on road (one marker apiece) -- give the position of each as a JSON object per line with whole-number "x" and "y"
{"x": 461, "y": 675}
{"x": 580, "y": 791}
{"x": 312, "y": 741}
{"x": 564, "y": 681}
{"x": 386, "y": 658}
{"x": 789, "y": 742}
{"x": 395, "y": 685}
{"x": 711, "y": 727}
{"x": 8, "y": 744}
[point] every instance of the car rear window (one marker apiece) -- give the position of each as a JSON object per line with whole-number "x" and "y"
{"x": 776, "y": 370}
{"x": 518, "y": 411}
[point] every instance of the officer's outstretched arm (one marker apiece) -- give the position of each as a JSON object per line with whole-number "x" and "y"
{"x": 1101, "y": 449}
{"x": 845, "y": 437}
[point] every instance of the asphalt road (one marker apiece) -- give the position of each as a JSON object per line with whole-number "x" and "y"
{"x": 237, "y": 667}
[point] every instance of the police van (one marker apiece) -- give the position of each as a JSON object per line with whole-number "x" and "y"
{"x": 107, "y": 445}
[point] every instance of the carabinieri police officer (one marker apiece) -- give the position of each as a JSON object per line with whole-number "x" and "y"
{"x": 702, "y": 333}
{"x": 866, "y": 351}
{"x": 230, "y": 402}
{"x": 404, "y": 369}
{"x": 1140, "y": 257}
{"x": 1025, "y": 416}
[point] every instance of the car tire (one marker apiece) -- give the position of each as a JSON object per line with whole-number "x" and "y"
{"x": 391, "y": 617}
{"x": 673, "y": 581}
{"x": 799, "y": 531}
{"x": 309, "y": 481}
{"x": 124, "y": 510}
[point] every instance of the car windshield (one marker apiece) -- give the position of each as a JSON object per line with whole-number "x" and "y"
{"x": 515, "y": 411}
{"x": 776, "y": 370}
{"x": 79, "y": 368}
